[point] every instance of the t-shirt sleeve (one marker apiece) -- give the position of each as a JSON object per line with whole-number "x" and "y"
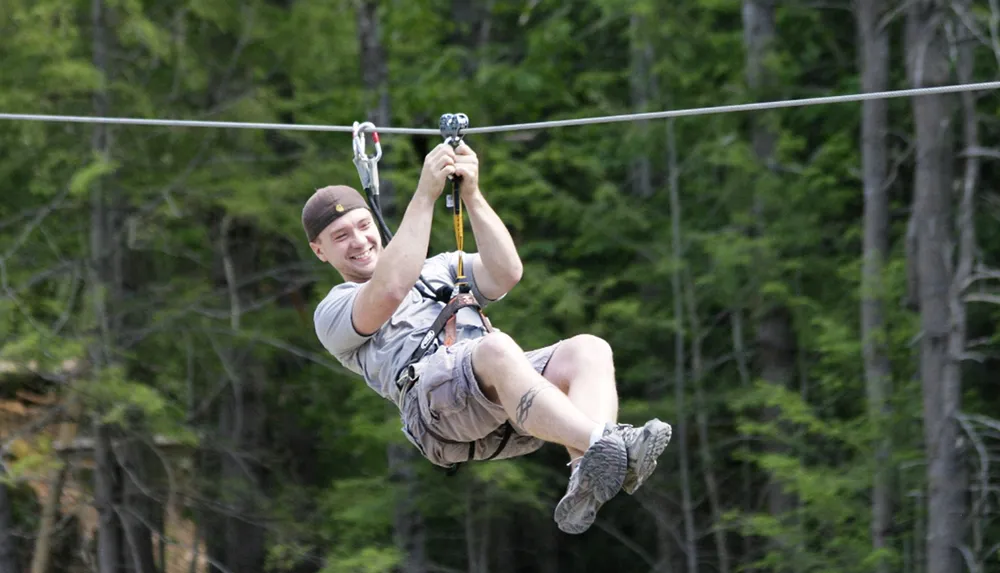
{"x": 467, "y": 266}
{"x": 333, "y": 322}
{"x": 450, "y": 259}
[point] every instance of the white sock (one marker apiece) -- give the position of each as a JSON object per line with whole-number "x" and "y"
{"x": 596, "y": 434}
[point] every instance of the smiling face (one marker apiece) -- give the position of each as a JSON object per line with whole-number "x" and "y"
{"x": 351, "y": 244}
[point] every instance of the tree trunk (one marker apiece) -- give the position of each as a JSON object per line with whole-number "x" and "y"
{"x": 547, "y": 537}
{"x": 680, "y": 424}
{"x": 410, "y": 538}
{"x": 471, "y": 30}
{"x": 234, "y": 539}
{"x": 704, "y": 442}
{"x": 42, "y": 553}
{"x": 502, "y": 540}
{"x": 124, "y": 514}
{"x": 9, "y": 559}
{"x": 137, "y": 513}
{"x": 774, "y": 336}
{"x": 928, "y": 65}
{"x": 243, "y": 428}
{"x": 408, "y": 522}
{"x": 243, "y": 415}
{"x": 919, "y": 532}
{"x": 666, "y": 540}
{"x": 966, "y": 252}
{"x": 746, "y": 483}
{"x": 210, "y": 520}
{"x": 375, "y": 79}
{"x": 105, "y": 283}
{"x": 106, "y": 488}
{"x": 478, "y": 528}
{"x": 641, "y": 82}
{"x": 874, "y": 330}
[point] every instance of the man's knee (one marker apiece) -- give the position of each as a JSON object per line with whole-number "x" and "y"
{"x": 588, "y": 350}
{"x": 495, "y": 349}
{"x": 578, "y": 356}
{"x": 492, "y": 356}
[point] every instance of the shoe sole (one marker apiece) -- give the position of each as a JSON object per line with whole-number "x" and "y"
{"x": 601, "y": 475}
{"x": 656, "y": 437}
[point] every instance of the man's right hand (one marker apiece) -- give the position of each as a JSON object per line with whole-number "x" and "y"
{"x": 402, "y": 260}
{"x": 439, "y": 164}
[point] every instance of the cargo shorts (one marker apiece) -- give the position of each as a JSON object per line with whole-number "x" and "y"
{"x": 445, "y": 411}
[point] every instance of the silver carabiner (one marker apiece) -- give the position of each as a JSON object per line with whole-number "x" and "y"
{"x": 367, "y": 166}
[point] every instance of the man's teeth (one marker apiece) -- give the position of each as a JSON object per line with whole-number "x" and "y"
{"x": 362, "y": 255}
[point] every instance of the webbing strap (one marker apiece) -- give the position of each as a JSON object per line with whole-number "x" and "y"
{"x": 459, "y": 224}
{"x": 452, "y": 125}
{"x": 447, "y": 314}
{"x": 507, "y": 431}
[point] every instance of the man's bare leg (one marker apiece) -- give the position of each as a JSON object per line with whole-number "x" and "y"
{"x": 531, "y": 401}
{"x": 506, "y": 376}
{"x": 582, "y": 367}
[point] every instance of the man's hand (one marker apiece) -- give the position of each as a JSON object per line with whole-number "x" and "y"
{"x": 399, "y": 265}
{"x": 496, "y": 266}
{"x": 467, "y": 167}
{"x": 438, "y": 165}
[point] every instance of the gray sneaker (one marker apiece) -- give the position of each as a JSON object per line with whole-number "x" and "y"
{"x": 595, "y": 480}
{"x": 644, "y": 445}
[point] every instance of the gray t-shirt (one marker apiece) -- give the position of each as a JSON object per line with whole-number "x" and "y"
{"x": 380, "y": 357}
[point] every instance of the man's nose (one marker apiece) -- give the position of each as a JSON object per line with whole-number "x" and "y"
{"x": 358, "y": 238}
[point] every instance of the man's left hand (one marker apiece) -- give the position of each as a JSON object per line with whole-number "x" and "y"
{"x": 467, "y": 167}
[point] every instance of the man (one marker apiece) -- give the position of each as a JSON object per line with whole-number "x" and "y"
{"x": 466, "y": 395}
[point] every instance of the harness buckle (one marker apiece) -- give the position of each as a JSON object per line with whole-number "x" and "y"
{"x": 407, "y": 376}
{"x": 367, "y": 166}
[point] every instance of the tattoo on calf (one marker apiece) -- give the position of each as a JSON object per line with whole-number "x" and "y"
{"x": 526, "y": 402}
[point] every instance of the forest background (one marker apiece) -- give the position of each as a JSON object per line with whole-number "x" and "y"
{"x": 808, "y": 295}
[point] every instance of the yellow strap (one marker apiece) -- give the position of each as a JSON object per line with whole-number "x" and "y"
{"x": 459, "y": 236}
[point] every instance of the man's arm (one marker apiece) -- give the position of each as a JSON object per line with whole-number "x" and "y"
{"x": 399, "y": 265}
{"x": 498, "y": 267}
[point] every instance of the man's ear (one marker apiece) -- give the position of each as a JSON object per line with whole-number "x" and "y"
{"x": 318, "y": 250}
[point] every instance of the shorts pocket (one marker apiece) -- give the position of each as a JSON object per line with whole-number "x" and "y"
{"x": 439, "y": 391}
{"x": 446, "y": 454}
{"x": 413, "y": 439}
{"x": 437, "y": 451}
{"x": 443, "y": 398}
{"x": 412, "y": 426}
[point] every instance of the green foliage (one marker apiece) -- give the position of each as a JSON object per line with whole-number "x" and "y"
{"x": 201, "y": 338}
{"x": 367, "y": 560}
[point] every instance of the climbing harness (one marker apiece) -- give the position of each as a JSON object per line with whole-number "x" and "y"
{"x": 451, "y": 126}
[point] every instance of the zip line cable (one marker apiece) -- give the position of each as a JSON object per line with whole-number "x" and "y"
{"x": 913, "y": 92}
{"x": 199, "y": 123}
{"x": 739, "y": 107}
